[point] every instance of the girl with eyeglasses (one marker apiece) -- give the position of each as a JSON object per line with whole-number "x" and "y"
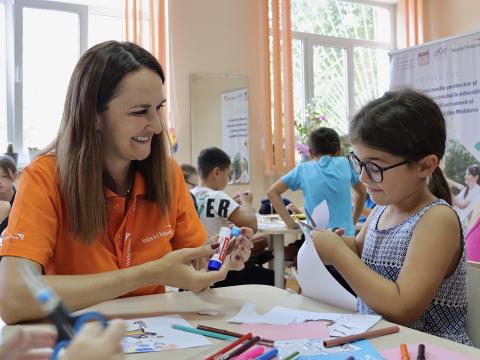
{"x": 408, "y": 261}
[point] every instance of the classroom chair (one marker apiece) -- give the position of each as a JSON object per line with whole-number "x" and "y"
{"x": 473, "y": 316}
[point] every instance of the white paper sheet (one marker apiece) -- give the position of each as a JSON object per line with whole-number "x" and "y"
{"x": 248, "y": 315}
{"x": 156, "y": 334}
{"x": 315, "y": 280}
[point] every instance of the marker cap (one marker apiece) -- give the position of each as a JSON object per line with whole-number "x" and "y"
{"x": 214, "y": 265}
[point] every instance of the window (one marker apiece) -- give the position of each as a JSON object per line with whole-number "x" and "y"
{"x": 340, "y": 56}
{"x": 3, "y": 79}
{"x": 36, "y": 63}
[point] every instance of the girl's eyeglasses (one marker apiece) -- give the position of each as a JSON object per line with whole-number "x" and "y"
{"x": 374, "y": 171}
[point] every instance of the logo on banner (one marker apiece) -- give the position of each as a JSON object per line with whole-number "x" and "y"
{"x": 423, "y": 57}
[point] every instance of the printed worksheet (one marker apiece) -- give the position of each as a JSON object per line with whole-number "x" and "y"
{"x": 157, "y": 334}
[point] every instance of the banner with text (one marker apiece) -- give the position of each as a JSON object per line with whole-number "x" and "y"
{"x": 235, "y": 133}
{"x": 448, "y": 71}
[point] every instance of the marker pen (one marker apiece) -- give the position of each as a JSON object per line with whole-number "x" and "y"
{"x": 224, "y": 238}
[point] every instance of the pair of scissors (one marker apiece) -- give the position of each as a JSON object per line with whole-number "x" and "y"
{"x": 335, "y": 228}
{"x": 67, "y": 325}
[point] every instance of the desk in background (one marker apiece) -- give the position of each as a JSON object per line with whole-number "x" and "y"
{"x": 277, "y": 230}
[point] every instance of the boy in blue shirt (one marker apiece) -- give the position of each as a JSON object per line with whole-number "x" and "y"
{"x": 328, "y": 177}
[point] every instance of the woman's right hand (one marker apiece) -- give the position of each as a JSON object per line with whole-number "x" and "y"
{"x": 176, "y": 269}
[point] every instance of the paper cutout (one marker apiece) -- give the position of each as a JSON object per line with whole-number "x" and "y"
{"x": 321, "y": 215}
{"x": 314, "y": 349}
{"x": 432, "y": 352}
{"x": 341, "y": 324}
{"x": 156, "y": 334}
{"x": 295, "y": 331}
{"x": 315, "y": 280}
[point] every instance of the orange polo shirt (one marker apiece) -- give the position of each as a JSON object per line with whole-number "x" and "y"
{"x": 38, "y": 226}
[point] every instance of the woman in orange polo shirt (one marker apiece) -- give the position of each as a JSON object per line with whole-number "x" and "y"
{"x": 105, "y": 211}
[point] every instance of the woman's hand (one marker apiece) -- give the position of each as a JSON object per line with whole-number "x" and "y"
{"x": 329, "y": 245}
{"x": 26, "y": 343}
{"x": 177, "y": 269}
{"x": 93, "y": 342}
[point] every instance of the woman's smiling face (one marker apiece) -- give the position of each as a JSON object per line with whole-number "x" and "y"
{"x": 133, "y": 116}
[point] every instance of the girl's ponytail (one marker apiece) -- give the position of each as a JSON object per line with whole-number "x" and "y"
{"x": 438, "y": 186}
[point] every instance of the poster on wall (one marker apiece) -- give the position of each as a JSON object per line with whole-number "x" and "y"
{"x": 235, "y": 134}
{"x": 447, "y": 71}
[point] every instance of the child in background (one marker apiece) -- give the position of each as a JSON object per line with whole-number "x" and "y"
{"x": 408, "y": 261}
{"x": 328, "y": 177}
{"x": 8, "y": 174}
{"x": 190, "y": 175}
{"x": 215, "y": 207}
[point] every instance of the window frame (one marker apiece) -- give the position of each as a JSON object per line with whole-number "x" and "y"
{"x": 19, "y": 5}
{"x": 309, "y": 40}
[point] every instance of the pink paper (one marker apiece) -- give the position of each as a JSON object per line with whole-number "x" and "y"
{"x": 307, "y": 330}
{"x": 432, "y": 352}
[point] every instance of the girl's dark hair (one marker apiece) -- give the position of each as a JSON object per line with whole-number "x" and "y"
{"x": 407, "y": 124}
{"x": 94, "y": 83}
{"x": 473, "y": 170}
{"x": 324, "y": 141}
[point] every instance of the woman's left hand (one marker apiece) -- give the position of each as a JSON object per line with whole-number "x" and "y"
{"x": 329, "y": 245}
{"x": 241, "y": 250}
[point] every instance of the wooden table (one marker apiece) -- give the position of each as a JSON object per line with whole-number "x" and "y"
{"x": 228, "y": 301}
{"x": 277, "y": 232}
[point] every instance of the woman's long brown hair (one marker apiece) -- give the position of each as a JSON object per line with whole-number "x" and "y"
{"x": 94, "y": 83}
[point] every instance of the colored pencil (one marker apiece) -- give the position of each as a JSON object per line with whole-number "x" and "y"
{"x": 421, "y": 352}
{"x": 365, "y": 335}
{"x": 292, "y": 355}
{"x": 404, "y": 352}
{"x": 265, "y": 342}
{"x": 230, "y": 346}
{"x": 242, "y": 348}
{"x": 268, "y": 355}
{"x": 253, "y": 353}
{"x": 202, "y": 332}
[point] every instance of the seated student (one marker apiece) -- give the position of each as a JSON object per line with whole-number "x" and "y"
{"x": 190, "y": 175}
{"x": 407, "y": 264}
{"x": 106, "y": 213}
{"x": 215, "y": 207}
{"x": 92, "y": 342}
{"x": 8, "y": 174}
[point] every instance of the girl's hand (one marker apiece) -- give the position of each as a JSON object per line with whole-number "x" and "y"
{"x": 93, "y": 342}
{"x": 26, "y": 343}
{"x": 329, "y": 245}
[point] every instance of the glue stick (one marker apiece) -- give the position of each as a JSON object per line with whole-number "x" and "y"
{"x": 224, "y": 238}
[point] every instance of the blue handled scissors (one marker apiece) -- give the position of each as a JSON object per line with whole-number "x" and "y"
{"x": 67, "y": 325}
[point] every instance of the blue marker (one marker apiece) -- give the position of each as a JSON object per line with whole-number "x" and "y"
{"x": 269, "y": 355}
